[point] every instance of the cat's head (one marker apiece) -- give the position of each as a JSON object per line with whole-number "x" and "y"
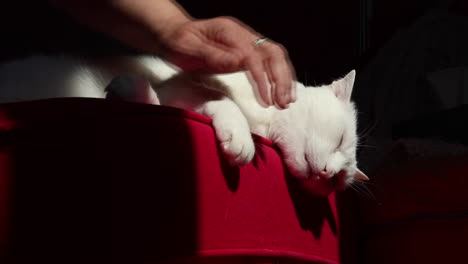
{"x": 318, "y": 138}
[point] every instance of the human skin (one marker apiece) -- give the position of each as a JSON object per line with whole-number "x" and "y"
{"x": 216, "y": 45}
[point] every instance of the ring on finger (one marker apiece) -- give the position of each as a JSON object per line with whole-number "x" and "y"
{"x": 259, "y": 41}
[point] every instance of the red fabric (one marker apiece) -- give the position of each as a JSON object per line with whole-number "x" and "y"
{"x": 97, "y": 181}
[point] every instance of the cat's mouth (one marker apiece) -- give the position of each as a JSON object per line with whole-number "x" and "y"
{"x": 338, "y": 181}
{"x": 318, "y": 186}
{"x": 322, "y": 186}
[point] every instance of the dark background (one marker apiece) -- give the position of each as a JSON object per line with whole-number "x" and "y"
{"x": 325, "y": 39}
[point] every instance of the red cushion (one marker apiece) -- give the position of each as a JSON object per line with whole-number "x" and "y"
{"x": 96, "y": 180}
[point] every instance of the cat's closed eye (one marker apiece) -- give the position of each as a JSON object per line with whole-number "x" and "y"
{"x": 340, "y": 143}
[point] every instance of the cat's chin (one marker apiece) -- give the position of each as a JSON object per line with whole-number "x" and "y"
{"x": 317, "y": 186}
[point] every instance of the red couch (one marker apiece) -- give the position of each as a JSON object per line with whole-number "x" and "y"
{"x": 100, "y": 181}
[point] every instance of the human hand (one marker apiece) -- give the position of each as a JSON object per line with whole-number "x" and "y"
{"x": 217, "y": 45}
{"x": 224, "y": 45}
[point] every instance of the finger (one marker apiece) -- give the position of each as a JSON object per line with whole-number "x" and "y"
{"x": 271, "y": 83}
{"x": 294, "y": 91}
{"x": 281, "y": 76}
{"x": 294, "y": 81}
{"x": 256, "y": 68}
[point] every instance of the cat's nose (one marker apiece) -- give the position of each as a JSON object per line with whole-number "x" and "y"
{"x": 326, "y": 174}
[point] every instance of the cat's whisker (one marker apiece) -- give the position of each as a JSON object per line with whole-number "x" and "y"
{"x": 361, "y": 188}
{"x": 366, "y": 131}
{"x": 366, "y": 146}
{"x": 369, "y": 128}
{"x": 360, "y": 192}
{"x": 355, "y": 189}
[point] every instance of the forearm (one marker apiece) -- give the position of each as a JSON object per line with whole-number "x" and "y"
{"x": 137, "y": 23}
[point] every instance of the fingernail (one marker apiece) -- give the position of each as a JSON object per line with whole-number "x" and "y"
{"x": 293, "y": 93}
{"x": 293, "y": 96}
{"x": 285, "y": 105}
{"x": 267, "y": 104}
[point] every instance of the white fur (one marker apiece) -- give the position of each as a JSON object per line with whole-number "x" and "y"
{"x": 308, "y": 133}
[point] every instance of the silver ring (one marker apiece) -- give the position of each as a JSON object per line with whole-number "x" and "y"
{"x": 259, "y": 41}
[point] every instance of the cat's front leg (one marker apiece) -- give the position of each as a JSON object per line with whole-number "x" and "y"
{"x": 232, "y": 130}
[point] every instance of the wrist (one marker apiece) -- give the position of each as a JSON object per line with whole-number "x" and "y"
{"x": 170, "y": 17}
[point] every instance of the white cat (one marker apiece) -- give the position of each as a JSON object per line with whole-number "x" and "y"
{"x": 316, "y": 134}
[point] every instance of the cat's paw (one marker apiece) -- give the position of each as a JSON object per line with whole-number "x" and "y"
{"x": 232, "y": 130}
{"x": 237, "y": 146}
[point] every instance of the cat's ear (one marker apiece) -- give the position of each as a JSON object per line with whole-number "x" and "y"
{"x": 359, "y": 175}
{"x": 343, "y": 87}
